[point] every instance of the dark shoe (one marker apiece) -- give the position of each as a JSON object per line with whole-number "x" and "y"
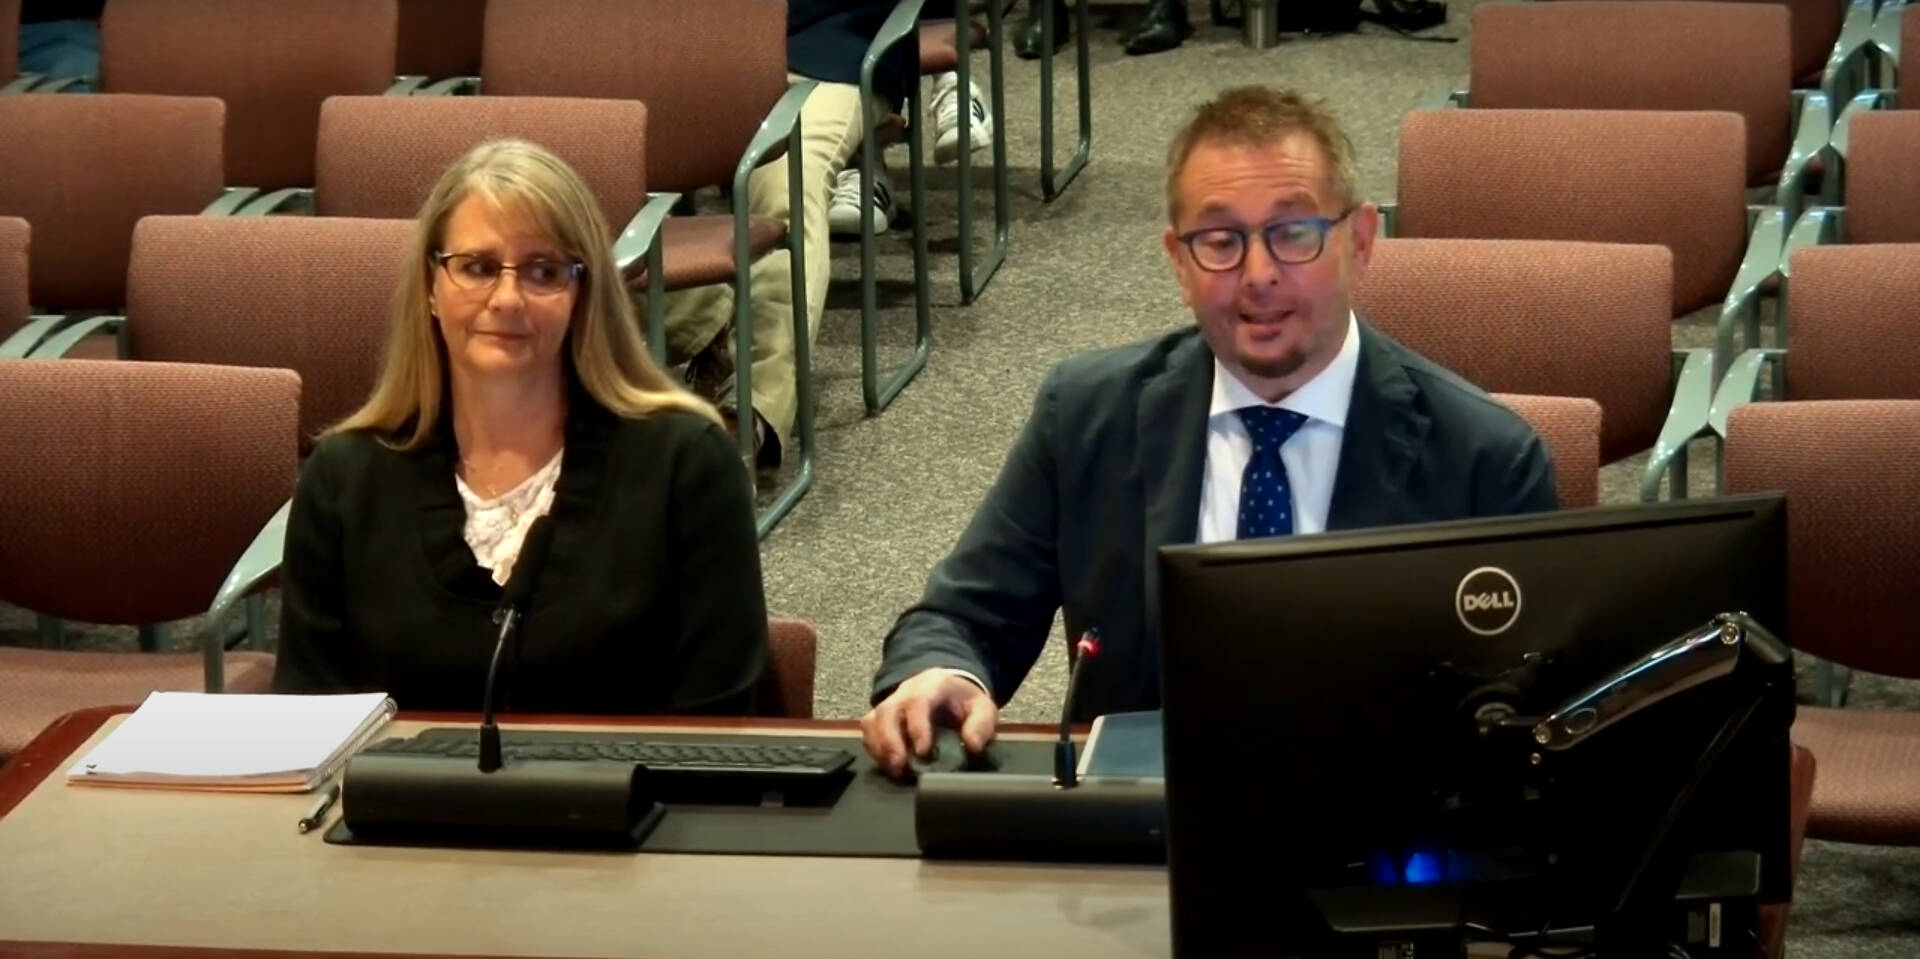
{"x": 1028, "y": 42}
{"x": 1165, "y": 27}
{"x": 710, "y": 373}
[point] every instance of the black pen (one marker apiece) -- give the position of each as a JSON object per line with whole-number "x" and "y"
{"x": 311, "y": 820}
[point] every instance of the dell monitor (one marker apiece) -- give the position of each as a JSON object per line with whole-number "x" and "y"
{"x": 1350, "y": 723}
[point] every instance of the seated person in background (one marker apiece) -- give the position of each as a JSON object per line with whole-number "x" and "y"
{"x": 60, "y": 38}
{"x": 517, "y": 385}
{"x": 1279, "y": 412}
{"x": 826, "y": 40}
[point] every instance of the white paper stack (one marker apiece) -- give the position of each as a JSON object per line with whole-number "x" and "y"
{"x": 237, "y": 743}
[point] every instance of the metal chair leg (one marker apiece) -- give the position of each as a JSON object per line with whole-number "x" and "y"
{"x": 879, "y": 395}
{"x": 974, "y": 281}
{"x": 52, "y": 632}
{"x": 151, "y": 638}
{"x": 256, "y": 613}
{"x": 802, "y": 352}
{"x": 1830, "y": 682}
{"x": 1052, "y": 182}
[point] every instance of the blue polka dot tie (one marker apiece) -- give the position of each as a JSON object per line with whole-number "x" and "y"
{"x": 1266, "y": 500}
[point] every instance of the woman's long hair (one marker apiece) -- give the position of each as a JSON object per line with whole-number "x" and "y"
{"x": 604, "y": 353}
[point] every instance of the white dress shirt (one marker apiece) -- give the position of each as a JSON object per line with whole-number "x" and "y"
{"x": 1311, "y": 455}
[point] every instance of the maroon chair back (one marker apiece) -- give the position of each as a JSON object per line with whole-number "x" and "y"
{"x": 380, "y": 156}
{"x": 272, "y": 61}
{"x": 787, "y": 688}
{"x": 131, "y": 488}
{"x": 1540, "y": 317}
{"x": 708, "y": 71}
{"x": 1671, "y": 178}
{"x": 1598, "y": 55}
{"x": 1570, "y": 428}
{"x": 1883, "y": 192}
{"x": 1815, "y": 24}
{"x": 83, "y": 169}
{"x": 309, "y": 294}
{"x": 9, "y": 40}
{"x": 1849, "y": 469}
{"x": 440, "y": 38}
{"x": 15, "y": 238}
{"x": 1855, "y": 330}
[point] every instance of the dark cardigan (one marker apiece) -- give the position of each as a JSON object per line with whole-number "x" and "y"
{"x": 650, "y": 601}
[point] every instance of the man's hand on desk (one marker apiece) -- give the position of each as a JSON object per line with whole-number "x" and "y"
{"x": 901, "y": 727}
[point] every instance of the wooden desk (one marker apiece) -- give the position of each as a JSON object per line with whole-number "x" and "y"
{"x": 92, "y": 872}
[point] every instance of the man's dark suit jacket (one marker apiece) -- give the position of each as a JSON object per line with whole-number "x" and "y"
{"x": 1108, "y": 469}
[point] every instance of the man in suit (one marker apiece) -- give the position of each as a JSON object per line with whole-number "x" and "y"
{"x": 1278, "y": 412}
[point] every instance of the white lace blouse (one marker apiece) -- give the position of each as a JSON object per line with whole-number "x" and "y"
{"x": 496, "y": 527}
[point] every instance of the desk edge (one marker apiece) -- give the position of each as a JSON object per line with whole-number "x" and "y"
{"x": 18, "y": 949}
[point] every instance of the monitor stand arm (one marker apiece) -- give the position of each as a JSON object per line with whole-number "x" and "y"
{"x": 1731, "y": 645}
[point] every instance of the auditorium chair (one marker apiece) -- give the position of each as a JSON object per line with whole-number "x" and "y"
{"x": 1883, "y": 207}
{"x": 65, "y": 168}
{"x": 262, "y": 292}
{"x": 1855, "y": 336}
{"x": 128, "y": 489}
{"x": 941, "y": 46}
{"x": 1877, "y": 179}
{"x": 1542, "y": 317}
{"x": 1673, "y": 178}
{"x": 11, "y": 80}
{"x": 266, "y": 292}
{"x": 1570, "y": 428}
{"x": 1895, "y": 47}
{"x": 1855, "y": 332}
{"x": 1600, "y": 55}
{"x": 1825, "y": 35}
{"x": 15, "y": 240}
{"x": 1849, "y": 469}
{"x": 439, "y": 38}
{"x": 787, "y": 687}
{"x": 271, "y": 61}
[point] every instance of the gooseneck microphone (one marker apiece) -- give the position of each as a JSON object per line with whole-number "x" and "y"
{"x": 513, "y": 608}
{"x": 1065, "y": 763}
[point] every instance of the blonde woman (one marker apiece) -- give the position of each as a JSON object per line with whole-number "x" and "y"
{"x": 517, "y": 386}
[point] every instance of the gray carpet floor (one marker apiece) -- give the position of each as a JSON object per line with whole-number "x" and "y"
{"x": 1086, "y": 271}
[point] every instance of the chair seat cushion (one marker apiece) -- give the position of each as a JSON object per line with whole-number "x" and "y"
{"x": 1868, "y": 787}
{"x": 698, "y": 250}
{"x": 38, "y": 686}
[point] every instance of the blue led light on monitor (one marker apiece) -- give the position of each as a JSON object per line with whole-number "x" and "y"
{"x": 1422, "y": 867}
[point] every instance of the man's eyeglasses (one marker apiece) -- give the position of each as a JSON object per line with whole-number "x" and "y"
{"x": 1221, "y": 248}
{"x": 478, "y": 273}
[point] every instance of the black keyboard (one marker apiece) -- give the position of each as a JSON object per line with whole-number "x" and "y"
{"x": 679, "y": 771}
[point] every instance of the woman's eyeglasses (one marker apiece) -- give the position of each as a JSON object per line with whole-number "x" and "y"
{"x": 478, "y": 273}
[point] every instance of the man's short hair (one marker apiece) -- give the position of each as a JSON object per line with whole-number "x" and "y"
{"x": 1260, "y": 117}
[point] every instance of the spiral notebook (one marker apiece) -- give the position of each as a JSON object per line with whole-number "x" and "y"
{"x": 234, "y": 743}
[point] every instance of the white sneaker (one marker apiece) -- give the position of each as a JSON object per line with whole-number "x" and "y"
{"x": 843, "y": 211}
{"x": 946, "y": 118}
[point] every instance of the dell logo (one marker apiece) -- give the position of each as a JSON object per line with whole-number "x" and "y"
{"x": 1487, "y": 601}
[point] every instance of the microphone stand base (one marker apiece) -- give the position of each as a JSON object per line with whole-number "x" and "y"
{"x": 441, "y": 801}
